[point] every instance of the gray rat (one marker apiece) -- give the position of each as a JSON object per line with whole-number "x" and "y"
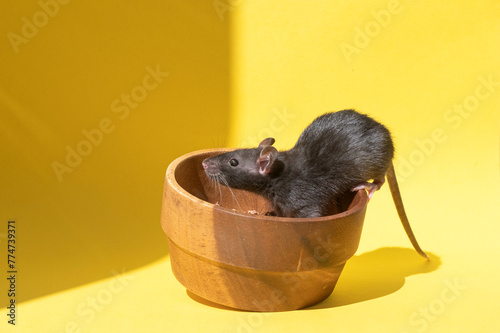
{"x": 338, "y": 152}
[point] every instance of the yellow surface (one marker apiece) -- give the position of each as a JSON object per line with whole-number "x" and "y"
{"x": 90, "y": 253}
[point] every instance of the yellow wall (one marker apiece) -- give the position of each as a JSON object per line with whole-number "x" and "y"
{"x": 304, "y": 58}
{"x": 239, "y": 71}
{"x": 88, "y": 68}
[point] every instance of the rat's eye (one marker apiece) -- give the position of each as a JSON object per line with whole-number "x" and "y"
{"x": 234, "y": 162}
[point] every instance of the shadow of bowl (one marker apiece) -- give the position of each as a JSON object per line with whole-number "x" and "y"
{"x": 223, "y": 254}
{"x": 377, "y": 273}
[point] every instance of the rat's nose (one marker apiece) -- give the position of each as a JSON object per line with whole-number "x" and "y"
{"x": 205, "y": 165}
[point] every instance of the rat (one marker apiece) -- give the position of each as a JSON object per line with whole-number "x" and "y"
{"x": 338, "y": 152}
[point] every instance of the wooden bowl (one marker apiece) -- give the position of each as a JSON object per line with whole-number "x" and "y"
{"x": 221, "y": 253}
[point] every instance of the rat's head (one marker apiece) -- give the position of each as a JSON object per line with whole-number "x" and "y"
{"x": 246, "y": 169}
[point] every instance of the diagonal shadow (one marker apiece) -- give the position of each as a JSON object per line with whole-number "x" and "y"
{"x": 375, "y": 274}
{"x": 102, "y": 217}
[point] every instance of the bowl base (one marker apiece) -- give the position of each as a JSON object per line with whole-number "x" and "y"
{"x": 250, "y": 289}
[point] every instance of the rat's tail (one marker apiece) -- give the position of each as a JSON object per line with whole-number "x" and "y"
{"x": 398, "y": 202}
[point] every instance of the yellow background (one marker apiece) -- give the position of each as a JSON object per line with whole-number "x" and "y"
{"x": 91, "y": 256}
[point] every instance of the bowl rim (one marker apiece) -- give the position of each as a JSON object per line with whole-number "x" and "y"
{"x": 360, "y": 200}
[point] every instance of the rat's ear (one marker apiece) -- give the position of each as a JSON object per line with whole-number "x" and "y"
{"x": 266, "y": 159}
{"x": 266, "y": 142}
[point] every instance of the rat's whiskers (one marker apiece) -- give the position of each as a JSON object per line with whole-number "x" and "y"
{"x": 234, "y": 197}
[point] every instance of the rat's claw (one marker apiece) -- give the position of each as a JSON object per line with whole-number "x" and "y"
{"x": 370, "y": 187}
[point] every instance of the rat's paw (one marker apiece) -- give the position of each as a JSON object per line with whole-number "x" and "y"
{"x": 370, "y": 187}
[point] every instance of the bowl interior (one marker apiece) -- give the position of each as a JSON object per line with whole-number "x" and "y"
{"x": 191, "y": 176}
